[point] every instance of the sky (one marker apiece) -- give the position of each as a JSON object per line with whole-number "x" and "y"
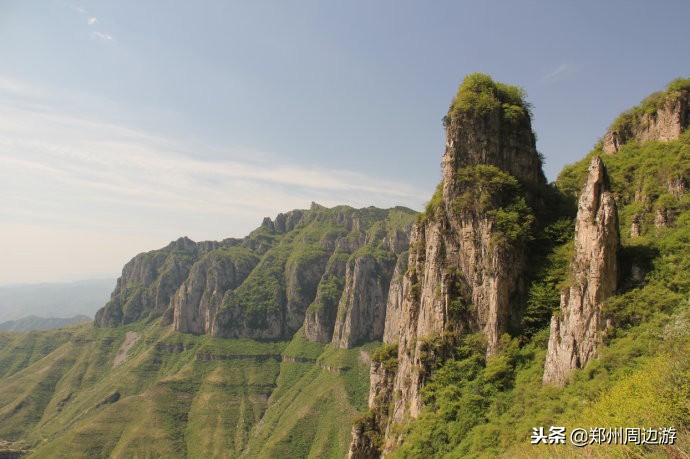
{"x": 127, "y": 124}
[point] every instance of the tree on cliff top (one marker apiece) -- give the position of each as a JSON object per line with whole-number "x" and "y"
{"x": 479, "y": 95}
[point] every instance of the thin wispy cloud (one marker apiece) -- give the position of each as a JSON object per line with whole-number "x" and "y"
{"x": 91, "y": 21}
{"x": 102, "y": 36}
{"x": 94, "y": 165}
{"x": 75, "y": 8}
{"x": 97, "y": 193}
{"x": 563, "y": 71}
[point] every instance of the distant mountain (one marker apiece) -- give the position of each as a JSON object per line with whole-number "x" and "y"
{"x": 54, "y": 300}
{"x": 31, "y": 323}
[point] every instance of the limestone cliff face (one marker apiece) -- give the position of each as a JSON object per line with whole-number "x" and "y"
{"x": 318, "y": 264}
{"x": 465, "y": 268}
{"x": 576, "y": 331}
{"x": 394, "y": 303}
{"x": 289, "y": 272}
{"x": 350, "y": 304}
{"x": 363, "y": 446}
{"x": 362, "y": 309}
{"x": 461, "y": 278}
{"x": 490, "y": 139}
{"x": 196, "y": 302}
{"x": 663, "y": 123}
{"x": 149, "y": 281}
{"x": 320, "y": 317}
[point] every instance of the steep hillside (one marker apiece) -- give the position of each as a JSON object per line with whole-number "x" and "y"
{"x": 326, "y": 269}
{"x": 470, "y": 252}
{"x": 618, "y": 341}
{"x": 159, "y": 376}
{"x": 508, "y": 306}
{"x": 148, "y": 391}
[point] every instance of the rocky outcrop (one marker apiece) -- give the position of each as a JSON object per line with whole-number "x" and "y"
{"x": 196, "y": 302}
{"x": 465, "y": 268}
{"x": 366, "y": 433}
{"x": 149, "y": 281}
{"x": 302, "y": 278}
{"x": 362, "y": 309}
{"x": 289, "y": 272}
{"x": 576, "y": 332}
{"x": 636, "y": 226}
{"x": 662, "y": 119}
{"x": 394, "y": 303}
{"x": 320, "y": 317}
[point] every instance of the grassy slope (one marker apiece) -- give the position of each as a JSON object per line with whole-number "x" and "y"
{"x": 59, "y": 390}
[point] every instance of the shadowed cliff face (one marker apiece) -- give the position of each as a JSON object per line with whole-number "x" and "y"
{"x": 467, "y": 255}
{"x": 576, "y": 332}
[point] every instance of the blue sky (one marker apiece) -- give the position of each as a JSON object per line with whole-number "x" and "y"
{"x": 124, "y": 125}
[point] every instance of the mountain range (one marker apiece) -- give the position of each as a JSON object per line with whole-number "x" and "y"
{"x": 509, "y": 304}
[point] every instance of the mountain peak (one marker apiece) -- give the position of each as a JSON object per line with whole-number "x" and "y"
{"x": 489, "y": 123}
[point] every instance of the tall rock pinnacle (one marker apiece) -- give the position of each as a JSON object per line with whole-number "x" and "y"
{"x": 465, "y": 268}
{"x": 576, "y": 331}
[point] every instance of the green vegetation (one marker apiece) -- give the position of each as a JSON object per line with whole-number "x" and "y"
{"x": 66, "y": 393}
{"x": 487, "y": 407}
{"x": 629, "y": 120}
{"x": 492, "y": 193}
{"x": 435, "y": 203}
{"x": 387, "y": 356}
{"x": 293, "y": 267}
{"x": 479, "y": 95}
{"x": 176, "y": 395}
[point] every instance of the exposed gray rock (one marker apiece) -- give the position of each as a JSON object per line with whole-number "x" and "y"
{"x": 394, "y": 304}
{"x": 320, "y": 316}
{"x": 662, "y": 218}
{"x": 302, "y": 279}
{"x": 147, "y": 283}
{"x": 636, "y": 226}
{"x": 666, "y": 123}
{"x": 677, "y": 187}
{"x": 380, "y": 395}
{"x": 362, "y": 308}
{"x": 460, "y": 277}
{"x": 196, "y": 302}
{"x": 577, "y": 331}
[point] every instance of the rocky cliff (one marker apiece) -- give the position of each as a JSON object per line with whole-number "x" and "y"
{"x": 196, "y": 302}
{"x": 328, "y": 270}
{"x": 329, "y": 275}
{"x": 467, "y": 254}
{"x": 362, "y": 310}
{"x": 577, "y": 331}
{"x": 661, "y": 116}
{"x": 150, "y": 280}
